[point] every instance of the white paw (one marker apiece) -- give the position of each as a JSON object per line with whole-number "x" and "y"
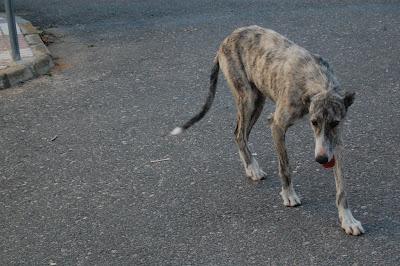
{"x": 350, "y": 225}
{"x": 254, "y": 171}
{"x": 290, "y": 198}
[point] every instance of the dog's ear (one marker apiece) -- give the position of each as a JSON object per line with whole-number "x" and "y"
{"x": 348, "y": 99}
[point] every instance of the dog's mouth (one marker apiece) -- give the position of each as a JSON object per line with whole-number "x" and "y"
{"x": 329, "y": 164}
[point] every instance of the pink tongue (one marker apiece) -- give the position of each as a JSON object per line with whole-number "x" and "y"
{"x": 329, "y": 164}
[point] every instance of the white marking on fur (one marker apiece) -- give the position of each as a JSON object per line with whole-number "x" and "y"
{"x": 290, "y": 197}
{"x": 176, "y": 131}
{"x": 318, "y": 145}
{"x": 350, "y": 225}
{"x": 322, "y": 147}
{"x": 254, "y": 171}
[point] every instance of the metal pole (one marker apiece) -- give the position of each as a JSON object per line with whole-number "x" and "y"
{"x": 12, "y": 30}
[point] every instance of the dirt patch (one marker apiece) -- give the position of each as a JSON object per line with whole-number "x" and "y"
{"x": 60, "y": 65}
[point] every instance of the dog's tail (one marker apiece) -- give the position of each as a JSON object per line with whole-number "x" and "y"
{"x": 207, "y": 104}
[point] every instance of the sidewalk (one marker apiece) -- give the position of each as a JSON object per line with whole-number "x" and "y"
{"x": 35, "y": 57}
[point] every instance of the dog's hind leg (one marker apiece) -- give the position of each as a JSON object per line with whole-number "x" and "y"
{"x": 279, "y": 125}
{"x": 249, "y": 108}
{"x": 249, "y": 102}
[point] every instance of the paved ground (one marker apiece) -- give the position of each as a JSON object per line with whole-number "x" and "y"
{"x": 77, "y": 185}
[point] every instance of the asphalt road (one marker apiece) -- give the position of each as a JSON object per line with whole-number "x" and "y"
{"x": 77, "y": 181}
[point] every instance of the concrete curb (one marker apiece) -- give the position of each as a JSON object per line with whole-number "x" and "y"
{"x": 27, "y": 69}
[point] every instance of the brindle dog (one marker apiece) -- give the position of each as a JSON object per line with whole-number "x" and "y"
{"x": 259, "y": 63}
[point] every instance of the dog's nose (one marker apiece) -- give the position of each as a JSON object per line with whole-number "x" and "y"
{"x": 322, "y": 159}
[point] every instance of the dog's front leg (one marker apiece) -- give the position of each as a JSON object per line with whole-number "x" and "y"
{"x": 288, "y": 193}
{"x": 348, "y": 223}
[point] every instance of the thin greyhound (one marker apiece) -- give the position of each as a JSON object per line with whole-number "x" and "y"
{"x": 259, "y": 63}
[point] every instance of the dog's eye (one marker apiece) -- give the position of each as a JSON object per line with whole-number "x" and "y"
{"x": 314, "y": 123}
{"x": 333, "y": 124}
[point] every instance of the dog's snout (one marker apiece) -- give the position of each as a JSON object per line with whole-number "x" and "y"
{"x": 322, "y": 159}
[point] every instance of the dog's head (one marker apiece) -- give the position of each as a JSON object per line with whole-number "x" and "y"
{"x": 327, "y": 110}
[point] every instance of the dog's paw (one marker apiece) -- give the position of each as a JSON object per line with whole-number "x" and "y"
{"x": 254, "y": 172}
{"x": 349, "y": 224}
{"x": 290, "y": 198}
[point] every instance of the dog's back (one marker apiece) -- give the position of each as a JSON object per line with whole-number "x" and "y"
{"x": 273, "y": 63}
